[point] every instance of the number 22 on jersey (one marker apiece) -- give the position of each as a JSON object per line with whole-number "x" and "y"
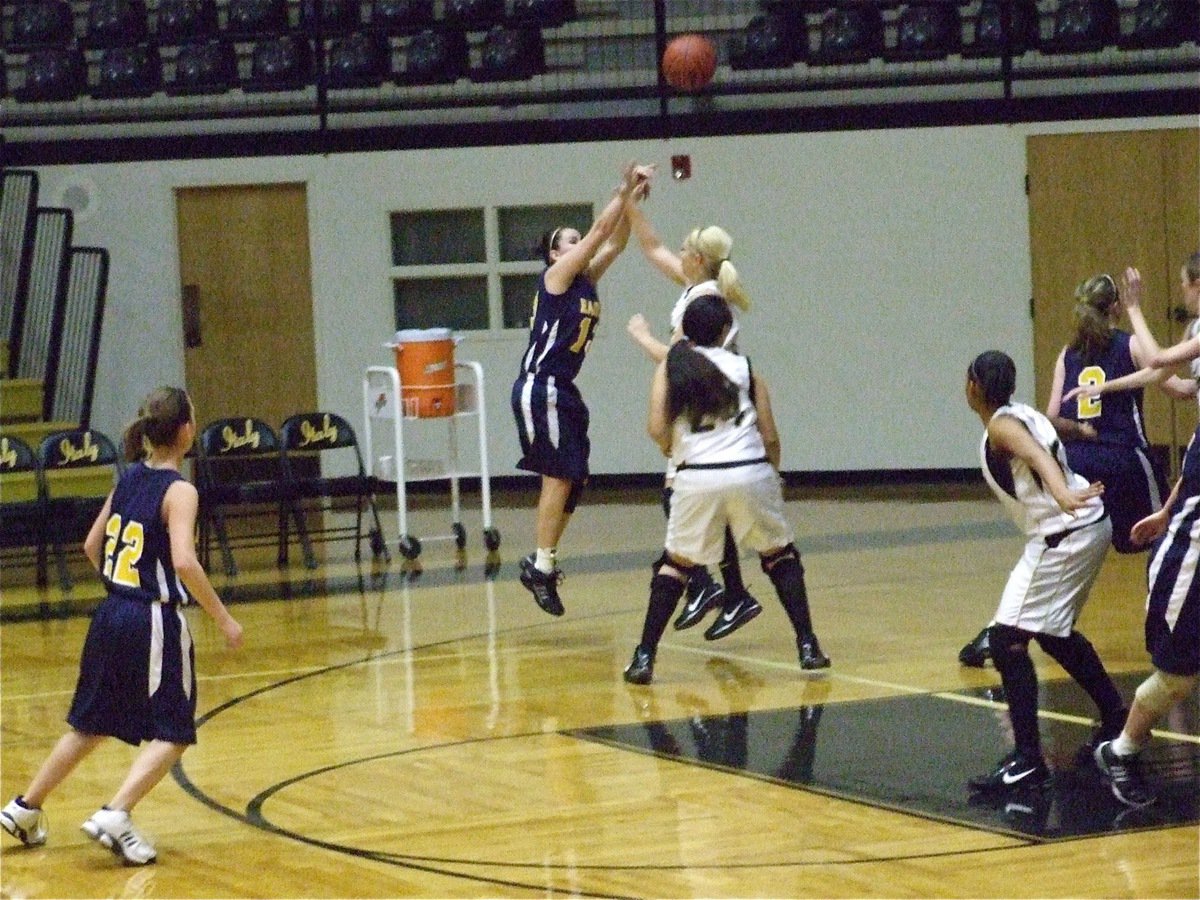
{"x": 122, "y": 551}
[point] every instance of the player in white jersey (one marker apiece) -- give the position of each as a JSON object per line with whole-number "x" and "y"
{"x": 712, "y": 417}
{"x": 1068, "y": 534}
{"x": 702, "y": 267}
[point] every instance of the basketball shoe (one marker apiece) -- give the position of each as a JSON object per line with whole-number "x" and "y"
{"x": 1014, "y": 771}
{"x": 735, "y": 614}
{"x": 811, "y": 656}
{"x": 543, "y": 586}
{"x": 703, "y": 594}
{"x": 641, "y": 668}
{"x": 112, "y": 828}
{"x": 27, "y": 824}
{"x": 976, "y": 652}
{"x": 1125, "y": 776}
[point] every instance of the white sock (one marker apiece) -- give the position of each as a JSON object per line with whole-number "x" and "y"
{"x": 1123, "y": 746}
{"x": 546, "y": 559}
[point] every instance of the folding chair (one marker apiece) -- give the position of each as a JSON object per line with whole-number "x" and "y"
{"x": 22, "y": 517}
{"x": 238, "y": 477}
{"x": 311, "y": 442}
{"x": 77, "y": 471}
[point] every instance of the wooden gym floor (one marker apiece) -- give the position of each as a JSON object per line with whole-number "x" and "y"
{"x": 439, "y": 736}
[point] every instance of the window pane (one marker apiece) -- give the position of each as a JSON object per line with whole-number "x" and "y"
{"x": 433, "y": 237}
{"x": 518, "y": 293}
{"x": 522, "y": 227}
{"x": 457, "y": 303}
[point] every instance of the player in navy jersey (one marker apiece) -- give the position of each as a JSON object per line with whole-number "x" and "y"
{"x": 702, "y": 266}
{"x": 551, "y": 416}
{"x": 137, "y": 678}
{"x": 1105, "y": 440}
{"x": 1067, "y": 535}
{"x": 713, "y": 417}
{"x": 1172, "y": 627}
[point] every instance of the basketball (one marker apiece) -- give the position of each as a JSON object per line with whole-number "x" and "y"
{"x": 689, "y": 61}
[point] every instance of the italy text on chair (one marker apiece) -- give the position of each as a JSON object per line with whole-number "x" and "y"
{"x": 317, "y": 446}
{"x": 78, "y": 469}
{"x": 238, "y": 477}
{"x": 22, "y": 518}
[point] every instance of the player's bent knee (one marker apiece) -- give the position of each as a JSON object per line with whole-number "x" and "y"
{"x": 1162, "y": 690}
{"x": 666, "y": 565}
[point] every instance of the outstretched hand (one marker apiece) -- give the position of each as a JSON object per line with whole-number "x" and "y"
{"x": 1091, "y": 391}
{"x": 1131, "y": 288}
{"x": 638, "y": 327}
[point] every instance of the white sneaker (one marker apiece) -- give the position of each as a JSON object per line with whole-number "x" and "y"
{"x": 112, "y": 828}
{"x": 27, "y": 825}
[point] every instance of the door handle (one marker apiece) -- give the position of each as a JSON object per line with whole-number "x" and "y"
{"x": 190, "y": 301}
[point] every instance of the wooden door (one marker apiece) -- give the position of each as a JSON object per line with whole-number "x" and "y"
{"x": 1099, "y": 203}
{"x": 1181, "y": 220}
{"x": 246, "y": 280}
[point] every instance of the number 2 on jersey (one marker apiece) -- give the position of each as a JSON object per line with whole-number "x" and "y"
{"x": 122, "y": 551}
{"x": 1089, "y": 407}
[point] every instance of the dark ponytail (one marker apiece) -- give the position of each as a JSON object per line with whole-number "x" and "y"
{"x": 697, "y": 389}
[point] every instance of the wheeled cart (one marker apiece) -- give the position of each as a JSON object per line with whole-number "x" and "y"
{"x": 386, "y": 399}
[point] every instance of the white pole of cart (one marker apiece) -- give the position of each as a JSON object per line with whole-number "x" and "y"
{"x": 391, "y": 402}
{"x": 484, "y": 481}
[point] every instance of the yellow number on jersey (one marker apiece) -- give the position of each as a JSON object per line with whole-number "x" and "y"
{"x": 585, "y": 329}
{"x": 1089, "y": 407}
{"x": 120, "y": 566}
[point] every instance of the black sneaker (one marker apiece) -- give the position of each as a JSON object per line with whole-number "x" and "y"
{"x": 641, "y": 668}
{"x": 703, "y": 594}
{"x": 1125, "y": 775}
{"x": 1013, "y": 772}
{"x": 733, "y": 617}
{"x": 811, "y": 656}
{"x": 543, "y": 586}
{"x": 977, "y": 652}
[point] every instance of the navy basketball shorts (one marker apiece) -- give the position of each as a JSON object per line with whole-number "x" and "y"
{"x": 1134, "y": 486}
{"x": 552, "y": 425}
{"x": 137, "y": 674}
{"x": 1173, "y": 605}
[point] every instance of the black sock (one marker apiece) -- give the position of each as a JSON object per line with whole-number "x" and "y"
{"x": 665, "y": 591}
{"x": 731, "y": 568}
{"x": 1078, "y": 657}
{"x": 787, "y": 575}
{"x": 1010, "y": 655}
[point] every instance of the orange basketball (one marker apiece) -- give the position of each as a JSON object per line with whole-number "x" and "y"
{"x": 689, "y": 61}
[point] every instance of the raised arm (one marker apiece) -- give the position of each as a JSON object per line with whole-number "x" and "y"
{"x": 1131, "y": 297}
{"x": 639, "y": 330}
{"x": 579, "y": 257}
{"x": 652, "y": 246}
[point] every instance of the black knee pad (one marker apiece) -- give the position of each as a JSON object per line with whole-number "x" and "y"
{"x": 768, "y": 561}
{"x": 1007, "y": 644}
{"x": 573, "y": 496}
